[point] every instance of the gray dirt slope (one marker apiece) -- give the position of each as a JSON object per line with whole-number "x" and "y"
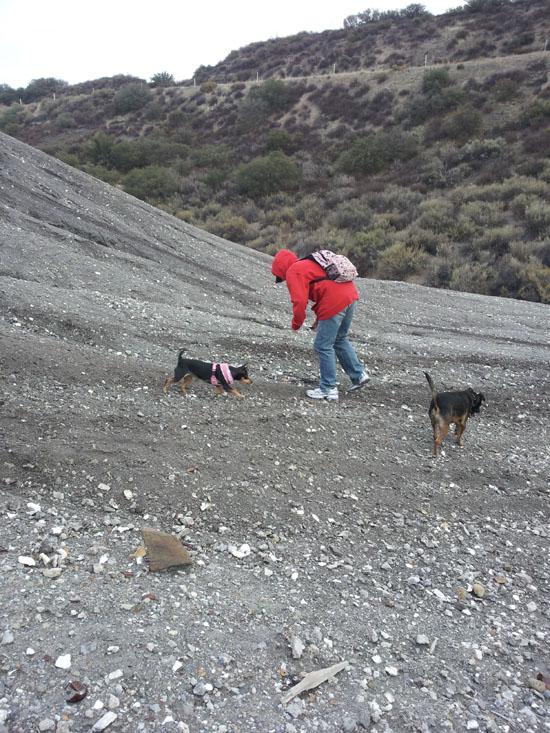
{"x": 319, "y": 533}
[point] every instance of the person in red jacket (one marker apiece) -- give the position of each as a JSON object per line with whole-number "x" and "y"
{"x": 334, "y": 305}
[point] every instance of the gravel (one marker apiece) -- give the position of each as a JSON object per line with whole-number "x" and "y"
{"x": 318, "y": 533}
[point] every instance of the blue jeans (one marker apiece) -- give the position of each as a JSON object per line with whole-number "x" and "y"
{"x": 332, "y": 341}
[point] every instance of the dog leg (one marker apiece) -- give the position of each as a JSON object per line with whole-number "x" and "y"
{"x": 460, "y": 428}
{"x": 234, "y": 391}
{"x": 186, "y": 382}
{"x": 444, "y": 429}
{"x": 168, "y": 381}
{"x": 219, "y": 389}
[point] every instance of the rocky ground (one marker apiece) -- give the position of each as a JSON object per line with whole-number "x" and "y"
{"x": 319, "y": 533}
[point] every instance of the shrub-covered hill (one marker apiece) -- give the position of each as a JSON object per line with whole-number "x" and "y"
{"x": 436, "y": 173}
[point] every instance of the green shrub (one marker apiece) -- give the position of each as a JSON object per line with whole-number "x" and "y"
{"x": 470, "y": 278}
{"x": 162, "y": 79}
{"x": 434, "y": 80}
{"x": 537, "y": 217}
{"x": 98, "y": 150}
{"x": 215, "y": 179}
{"x": 497, "y": 239}
{"x": 268, "y": 174}
{"x": 151, "y": 183}
{"x": 398, "y": 261}
{"x": 463, "y": 124}
{"x": 436, "y": 215}
{"x": 211, "y": 156}
{"x": 539, "y": 112}
{"x": 64, "y": 121}
{"x": 363, "y": 249}
{"x": 483, "y": 213}
{"x": 131, "y": 97}
{"x": 534, "y": 283}
{"x": 208, "y": 86}
{"x": 371, "y": 154}
{"x": 280, "y": 140}
{"x": 234, "y": 228}
{"x": 11, "y": 119}
{"x": 352, "y": 214}
{"x": 505, "y": 90}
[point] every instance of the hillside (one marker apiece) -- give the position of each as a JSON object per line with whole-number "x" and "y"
{"x": 423, "y": 157}
{"x": 318, "y": 533}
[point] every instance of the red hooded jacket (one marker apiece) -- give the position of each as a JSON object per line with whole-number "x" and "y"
{"x": 329, "y": 297}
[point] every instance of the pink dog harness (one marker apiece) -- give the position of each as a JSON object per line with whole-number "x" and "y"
{"x": 226, "y": 374}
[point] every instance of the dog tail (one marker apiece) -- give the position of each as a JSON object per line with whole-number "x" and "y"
{"x": 181, "y": 351}
{"x": 432, "y": 387}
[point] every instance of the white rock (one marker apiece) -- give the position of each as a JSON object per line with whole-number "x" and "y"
{"x": 243, "y": 551}
{"x": 63, "y": 662}
{"x": 104, "y": 722}
{"x": 297, "y": 647}
{"x": 25, "y": 560}
{"x": 46, "y": 724}
{"x": 392, "y": 671}
{"x": 128, "y": 494}
{"x": 104, "y": 487}
{"x": 422, "y": 640}
{"x": 7, "y": 637}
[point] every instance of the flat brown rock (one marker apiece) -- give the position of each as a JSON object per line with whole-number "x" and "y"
{"x": 165, "y": 550}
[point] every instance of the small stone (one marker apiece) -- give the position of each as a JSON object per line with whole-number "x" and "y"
{"x": 7, "y": 637}
{"x": 422, "y": 640}
{"x": 532, "y": 606}
{"x": 472, "y": 725}
{"x": 461, "y": 593}
{"x": 297, "y": 647}
{"x": 63, "y": 662}
{"x": 46, "y": 724}
{"x": 349, "y": 724}
{"x": 199, "y": 689}
{"x": 26, "y": 560}
{"x": 538, "y": 685}
{"x": 51, "y": 572}
{"x": 478, "y": 590}
{"x": 104, "y": 722}
{"x": 392, "y": 671}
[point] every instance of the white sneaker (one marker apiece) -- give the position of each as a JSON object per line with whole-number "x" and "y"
{"x": 363, "y": 379}
{"x": 318, "y": 394}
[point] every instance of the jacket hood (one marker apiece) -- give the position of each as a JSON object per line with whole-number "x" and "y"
{"x": 281, "y": 262}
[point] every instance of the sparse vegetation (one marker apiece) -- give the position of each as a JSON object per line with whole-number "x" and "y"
{"x": 434, "y": 174}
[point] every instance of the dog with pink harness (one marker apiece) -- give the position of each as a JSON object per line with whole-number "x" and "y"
{"x": 221, "y": 375}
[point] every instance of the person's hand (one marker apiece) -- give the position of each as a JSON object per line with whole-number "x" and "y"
{"x": 314, "y": 325}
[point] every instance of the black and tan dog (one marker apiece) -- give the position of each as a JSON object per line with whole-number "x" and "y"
{"x": 451, "y": 407}
{"x": 221, "y": 376}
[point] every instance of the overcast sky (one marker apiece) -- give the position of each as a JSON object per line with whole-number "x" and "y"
{"x": 80, "y": 41}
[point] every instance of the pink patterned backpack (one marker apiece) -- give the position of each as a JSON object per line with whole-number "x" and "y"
{"x": 337, "y": 267}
